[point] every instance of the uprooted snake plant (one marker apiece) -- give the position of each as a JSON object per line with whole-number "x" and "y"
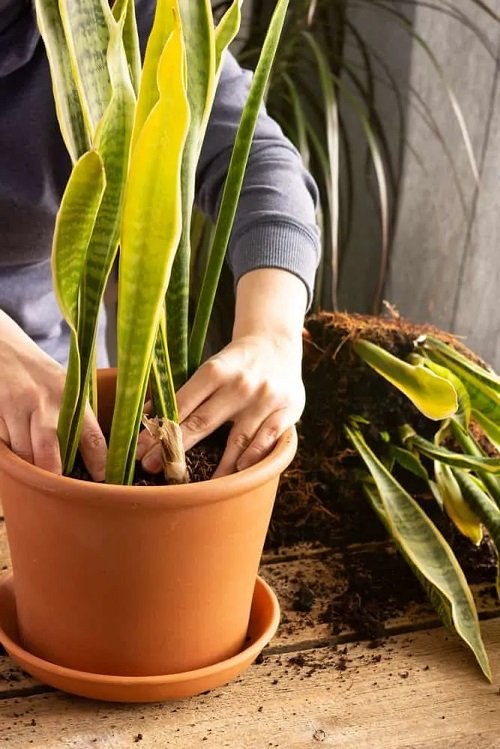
{"x": 134, "y": 133}
{"x": 448, "y": 388}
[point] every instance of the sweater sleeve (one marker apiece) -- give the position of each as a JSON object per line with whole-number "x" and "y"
{"x": 275, "y": 225}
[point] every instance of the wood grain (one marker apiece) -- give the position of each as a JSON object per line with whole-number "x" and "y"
{"x": 420, "y": 691}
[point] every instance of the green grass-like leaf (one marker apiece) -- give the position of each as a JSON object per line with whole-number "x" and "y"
{"x": 426, "y": 550}
{"x": 233, "y": 185}
{"x": 73, "y": 231}
{"x": 68, "y": 107}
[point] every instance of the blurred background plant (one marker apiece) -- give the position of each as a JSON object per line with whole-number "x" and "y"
{"x": 343, "y": 94}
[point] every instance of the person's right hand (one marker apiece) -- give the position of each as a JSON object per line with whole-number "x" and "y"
{"x": 31, "y": 386}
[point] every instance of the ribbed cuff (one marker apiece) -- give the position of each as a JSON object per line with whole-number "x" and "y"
{"x": 276, "y": 244}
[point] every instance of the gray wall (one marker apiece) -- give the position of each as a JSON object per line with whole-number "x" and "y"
{"x": 391, "y": 43}
{"x": 445, "y": 259}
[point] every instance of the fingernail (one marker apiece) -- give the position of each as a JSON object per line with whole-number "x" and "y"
{"x": 242, "y": 464}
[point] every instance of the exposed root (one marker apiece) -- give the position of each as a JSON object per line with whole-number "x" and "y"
{"x": 169, "y": 435}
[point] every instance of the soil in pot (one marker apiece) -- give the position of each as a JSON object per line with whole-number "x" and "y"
{"x": 201, "y": 460}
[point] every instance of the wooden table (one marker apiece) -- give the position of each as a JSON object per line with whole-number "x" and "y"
{"x": 419, "y": 688}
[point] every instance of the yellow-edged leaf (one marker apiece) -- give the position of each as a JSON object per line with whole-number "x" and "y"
{"x": 150, "y": 233}
{"x": 434, "y": 396}
{"x": 426, "y": 550}
{"x": 456, "y": 507}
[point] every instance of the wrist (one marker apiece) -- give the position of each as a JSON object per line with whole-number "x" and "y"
{"x": 270, "y": 303}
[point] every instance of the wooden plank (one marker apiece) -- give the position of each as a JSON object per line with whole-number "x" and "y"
{"x": 300, "y": 550}
{"x": 423, "y": 691}
{"x": 305, "y": 588}
{"x": 14, "y": 681}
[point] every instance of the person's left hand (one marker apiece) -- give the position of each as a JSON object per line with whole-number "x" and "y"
{"x": 255, "y": 383}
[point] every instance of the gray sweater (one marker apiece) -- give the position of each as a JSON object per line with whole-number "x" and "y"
{"x": 275, "y": 225}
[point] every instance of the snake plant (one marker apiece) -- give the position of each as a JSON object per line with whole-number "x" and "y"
{"x": 460, "y": 397}
{"x": 134, "y": 132}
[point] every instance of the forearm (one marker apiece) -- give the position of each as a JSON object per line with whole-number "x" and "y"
{"x": 270, "y": 302}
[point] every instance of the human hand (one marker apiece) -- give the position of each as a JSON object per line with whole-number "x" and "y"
{"x": 31, "y": 386}
{"x": 255, "y": 383}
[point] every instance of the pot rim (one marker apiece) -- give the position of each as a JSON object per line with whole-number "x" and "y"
{"x": 211, "y": 490}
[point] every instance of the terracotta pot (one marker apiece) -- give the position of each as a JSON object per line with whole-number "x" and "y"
{"x": 136, "y": 581}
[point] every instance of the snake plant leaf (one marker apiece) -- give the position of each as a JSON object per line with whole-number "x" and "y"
{"x": 162, "y": 381}
{"x": 68, "y": 107}
{"x": 440, "y": 602}
{"x": 331, "y": 114}
{"x": 455, "y": 505}
{"x": 112, "y": 141}
{"x": 148, "y": 93}
{"x": 130, "y": 40}
{"x": 87, "y": 34}
{"x": 300, "y": 120}
{"x": 484, "y": 508}
{"x": 73, "y": 230}
{"x": 226, "y": 31}
{"x": 150, "y": 232}
{"x": 434, "y": 396}
{"x": 199, "y": 38}
{"x": 484, "y": 374}
{"x": 426, "y": 550}
{"x": 408, "y": 461}
{"x": 457, "y": 460}
{"x": 233, "y": 184}
{"x": 205, "y": 48}
{"x": 489, "y": 427}
{"x": 483, "y": 385}
{"x": 383, "y": 201}
{"x": 470, "y": 446}
{"x": 463, "y": 412}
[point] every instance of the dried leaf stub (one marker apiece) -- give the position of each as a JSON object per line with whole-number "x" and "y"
{"x": 169, "y": 435}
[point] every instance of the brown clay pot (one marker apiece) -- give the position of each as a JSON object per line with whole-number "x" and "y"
{"x": 136, "y": 581}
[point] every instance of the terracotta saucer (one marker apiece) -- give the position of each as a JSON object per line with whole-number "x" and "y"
{"x": 264, "y": 619}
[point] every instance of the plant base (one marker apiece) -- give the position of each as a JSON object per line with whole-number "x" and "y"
{"x": 264, "y": 619}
